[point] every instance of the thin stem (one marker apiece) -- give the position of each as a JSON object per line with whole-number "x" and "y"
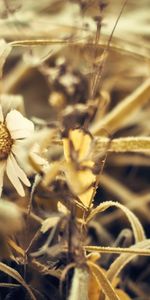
{"x": 127, "y": 144}
{"x": 117, "y": 250}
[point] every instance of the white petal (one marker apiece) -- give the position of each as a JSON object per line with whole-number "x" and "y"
{"x": 17, "y": 147}
{"x": 20, "y": 173}
{"x": 2, "y": 169}
{"x": 1, "y": 114}
{"x": 11, "y": 173}
{"x": 36, "y": 156}
{"x": 18, "y": 126}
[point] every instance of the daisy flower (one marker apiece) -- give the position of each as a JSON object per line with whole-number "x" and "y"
{"x": 13, "y": 127}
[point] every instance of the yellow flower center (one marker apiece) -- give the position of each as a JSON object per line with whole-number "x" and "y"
{"x": 5, "y": 141}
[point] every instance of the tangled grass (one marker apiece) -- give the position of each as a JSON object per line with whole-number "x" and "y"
{"x": 79, "y": 70}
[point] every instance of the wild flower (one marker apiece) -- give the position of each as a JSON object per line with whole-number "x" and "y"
{"x": 13, "y": 128}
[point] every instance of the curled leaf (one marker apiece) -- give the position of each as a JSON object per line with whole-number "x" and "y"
{"x": 117, "y": 266}
{"x": 137, "y": 228}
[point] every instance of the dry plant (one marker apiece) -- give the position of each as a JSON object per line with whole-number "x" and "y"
{"x": 74, "y": 133}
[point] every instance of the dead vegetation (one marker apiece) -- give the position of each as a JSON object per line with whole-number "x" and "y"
{"x": 74, "y": 213}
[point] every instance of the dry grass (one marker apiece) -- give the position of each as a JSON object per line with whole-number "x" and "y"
{"x": 80, "y": 72}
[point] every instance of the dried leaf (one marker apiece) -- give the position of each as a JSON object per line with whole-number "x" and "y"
{"x": 94, "y": 288}
{"x": 103, "y": 281}
{"x": 127, "y": 144}
{"x": 79, "y": 287}
{"x": 78, "y": 168}
{"x": 49, "y": 223}
{"x": 122, "y": 295}
{"x": 5, "y": 49}
{"x": 14, "y": 274}
{"x": 117, "y": 250}
{"x": 124, "y": 259}
{"x": 79, "y": 142}
{"x": 118, "y": 116}
{"x": 137, "y": 228}
{"x": 17, "y": 248}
